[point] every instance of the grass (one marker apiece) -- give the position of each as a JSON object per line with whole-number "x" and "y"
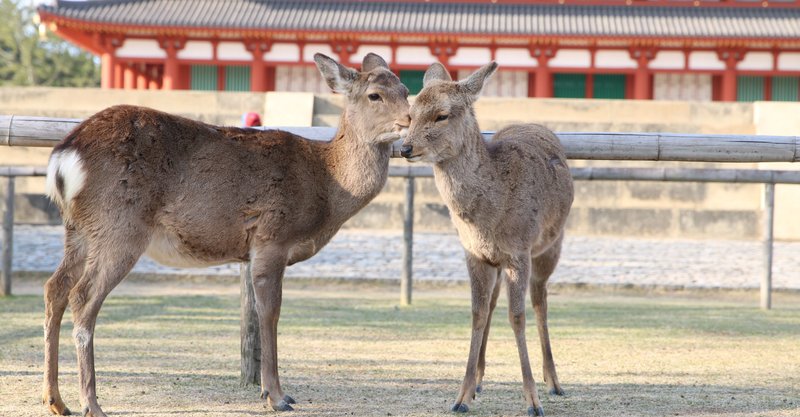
{"x": 350, "y": 350}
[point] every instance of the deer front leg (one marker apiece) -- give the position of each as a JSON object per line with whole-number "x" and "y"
{"x": 519, "y": 271}
{"x": 482, "y": 281}
{"x": 267, "y": 266}
{"x": 492, "y": 305}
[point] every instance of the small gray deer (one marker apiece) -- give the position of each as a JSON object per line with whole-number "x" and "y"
{"x": 131, "y": 180}
{"x": 509, "y": 200}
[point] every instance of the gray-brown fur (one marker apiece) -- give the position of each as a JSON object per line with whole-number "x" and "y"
{"x": 214, "y": 195}
{"x": 509, "y": 200}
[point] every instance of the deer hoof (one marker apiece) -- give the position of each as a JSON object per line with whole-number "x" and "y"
{"x": 289, "y": 399}
{"x": 556, "y": 391}
{"x": 536, "y": 411}
{"x": 60, "y": 412}
{"x": 460, "y": 408}
{"x": 57, "y": 407}
{"x": 282, "y": 406}
{"x": 478, "y": 389}
{"x": 264, "y": 394}
{"x": 88, "y": 412}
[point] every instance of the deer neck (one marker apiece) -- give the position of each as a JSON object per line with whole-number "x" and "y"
{"x": 358, "y": 169}
{"x": 465, "y": 180}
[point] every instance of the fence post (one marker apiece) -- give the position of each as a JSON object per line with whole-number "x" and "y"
{"x": 251, "y": 344}
{"x": 766, "y": 278}
{"x": 408, "y": 243}
{"x": 8, "y": 237}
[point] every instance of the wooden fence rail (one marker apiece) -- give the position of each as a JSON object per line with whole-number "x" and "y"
{"x": 44, "y": 132}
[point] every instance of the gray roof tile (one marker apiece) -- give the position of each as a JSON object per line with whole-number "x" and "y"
{"x": 442, "y": 18}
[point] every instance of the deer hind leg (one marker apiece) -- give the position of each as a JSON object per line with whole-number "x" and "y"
{"x": 482, "y": 281}
{"x": 543, "y": 267}
{"x": 519, "y": 272}
{"x": 107, "y": 264}
{"x": 482, "y": 357}
{"x": 267, "y": 267}
{"x": 56, "y": 298}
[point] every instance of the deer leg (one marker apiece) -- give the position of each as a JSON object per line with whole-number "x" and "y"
{"x": 482, "y": 281}
{"x": 519, "y": 271}
{"x": 108, "y": 263}
{"x": 482, "y": 357}
{"x": 543, "y": 267}
{"x": 267, "y": 266}
{"x": 56, "y": 298}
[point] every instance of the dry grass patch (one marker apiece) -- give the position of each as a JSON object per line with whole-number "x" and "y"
{"x": 350, "y": 350}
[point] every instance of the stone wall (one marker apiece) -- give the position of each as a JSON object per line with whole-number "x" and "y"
{"x": 601, "y": 207}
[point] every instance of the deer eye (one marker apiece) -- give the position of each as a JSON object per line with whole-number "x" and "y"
{"x": 441, "y": 117}
{"x": 374, "y": 97}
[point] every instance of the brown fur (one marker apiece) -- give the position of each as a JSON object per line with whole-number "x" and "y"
{"x": 509, "y": 200}
{"x": 214, "y": 195}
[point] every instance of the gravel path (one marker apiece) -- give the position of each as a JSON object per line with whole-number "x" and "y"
{"x": 439, "y": 257}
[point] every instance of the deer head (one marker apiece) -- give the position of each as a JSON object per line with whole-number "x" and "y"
{"x": 378, "y": 106}
{"x": 442, "y": 118}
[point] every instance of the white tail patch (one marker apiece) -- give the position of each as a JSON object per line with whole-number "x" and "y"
{"x": 68, "y": 166}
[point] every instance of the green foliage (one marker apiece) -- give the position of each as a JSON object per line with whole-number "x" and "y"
{"x": 27, "y": 60}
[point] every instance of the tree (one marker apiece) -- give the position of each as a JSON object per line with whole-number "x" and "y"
{"x": 27, "y": 60}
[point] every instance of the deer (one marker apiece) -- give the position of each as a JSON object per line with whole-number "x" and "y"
{"x": 131, "y": 180}
{"x": 509, "y": 200}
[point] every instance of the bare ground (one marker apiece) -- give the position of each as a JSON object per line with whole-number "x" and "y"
{"x": 170, "y": 349}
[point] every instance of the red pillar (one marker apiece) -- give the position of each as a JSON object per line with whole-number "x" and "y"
{"x": 107, "y": 63}
{"x": 170, "y": 72}
{"x": 544, "y": 78}
{"x": 170, "y": 80}
{"x": 641, "y": 80}
{"x": 729, "y": 83}
{"x": 729, "y": 75}
{"x": 642, "y": 84}
{"x": 141, "y": 77}
{"x": 152, "y": 76}
{"x": 258, "y": 79}
{"x": 258, "y": 72}
{"x": 129, "y": 77}
{"x": 118, "y": 74}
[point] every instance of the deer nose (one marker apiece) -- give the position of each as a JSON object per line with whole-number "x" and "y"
{"x": 405, "y": 151}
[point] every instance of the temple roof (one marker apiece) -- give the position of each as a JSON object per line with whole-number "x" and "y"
{"x": 452, "y": 18}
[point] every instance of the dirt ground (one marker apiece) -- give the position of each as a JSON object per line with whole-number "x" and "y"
{"x": 172, "y": 349}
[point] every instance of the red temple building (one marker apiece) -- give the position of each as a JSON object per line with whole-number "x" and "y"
{"x": 724, "y": 50}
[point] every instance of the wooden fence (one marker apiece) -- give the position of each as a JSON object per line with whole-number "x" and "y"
{"x": 45, "y": 132}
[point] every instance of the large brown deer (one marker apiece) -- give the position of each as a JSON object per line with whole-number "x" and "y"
{"x": 509, "y": 201}
{"x": 131, "y": 180}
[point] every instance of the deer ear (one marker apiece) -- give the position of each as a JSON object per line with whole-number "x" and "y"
{"x": 338, "y": 77}
{"x": 474, "y": 84}
{"x": 436, "y": 72}
{"x": 372, "y": 61}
